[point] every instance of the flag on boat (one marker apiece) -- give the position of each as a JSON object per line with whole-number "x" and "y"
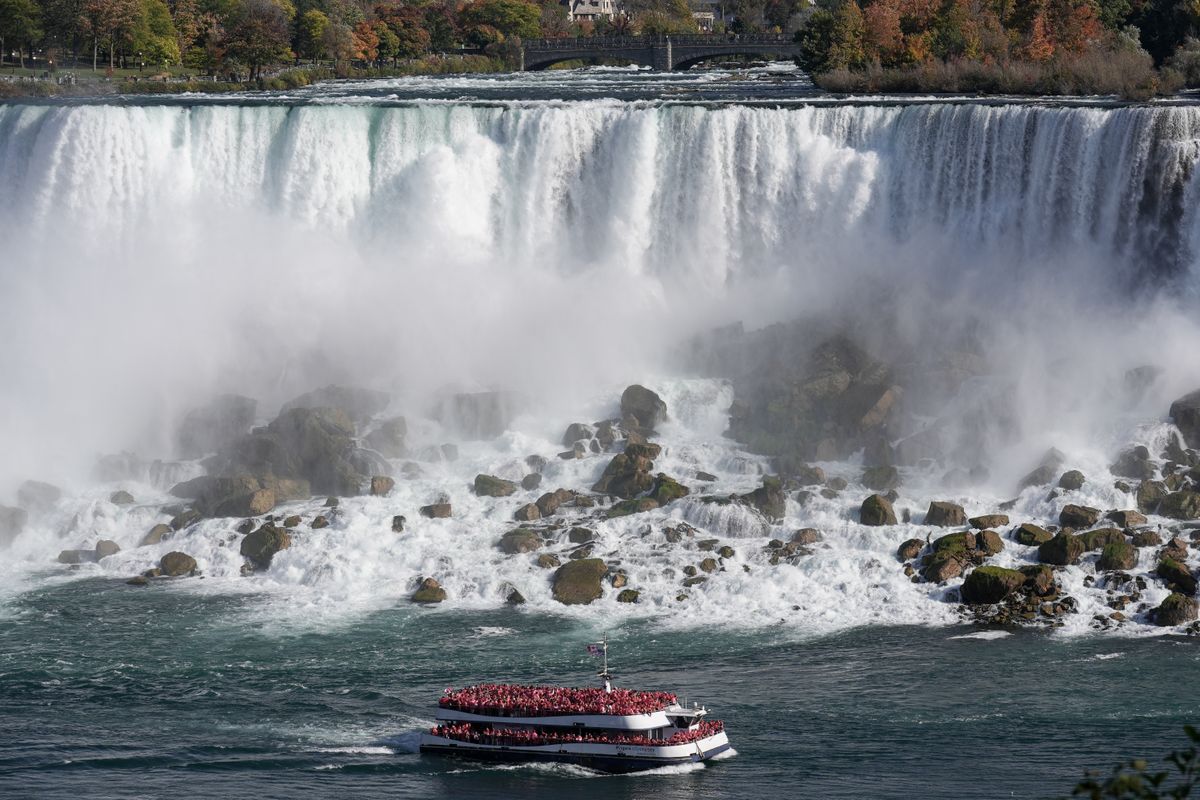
{"x": 595, "y": 649}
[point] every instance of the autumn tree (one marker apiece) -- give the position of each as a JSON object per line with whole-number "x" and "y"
{"x": 259, "y": 34}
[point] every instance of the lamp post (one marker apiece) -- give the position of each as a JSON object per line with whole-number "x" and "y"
{"x": 141, "y": 63}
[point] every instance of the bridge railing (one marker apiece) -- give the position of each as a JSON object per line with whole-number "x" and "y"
{"x": 624, "y": 42}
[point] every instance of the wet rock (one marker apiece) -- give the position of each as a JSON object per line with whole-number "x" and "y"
{"x": 637, "y": 505}
{"x": 1133, "y": 462}
{"x": 357, "y": 403}
{"x": 1039, "y": 579}
{"x": 880, "y": 479}
{"x": 527, "y": 513}
{"x": 989, "y": 542}
{"x": 910, "y": 549}
{"x": 156, "y": 535}
{"x": 1062, "y": 550}
{"x": 214, "y": 426}
{"x": 531, "y": 481}
{"x": 549, "y": 504}
{"x": 1126, "y": 519}
{"x": 1149, "y": 493}
{"x": 515, "y": 598}
{"x": 536, "y": 463}
{"x": 138, "y": 580}
{"x": 38, "y": 497}
{"x": 1073, "y": 516}
{"x": 644, "y": 405}
{"x": 321, "y": 521}
{"x": 1180, "y": 505}
{"x": 251, "y": 504}
{"x": 547, "y": 561}
{"x": 1094, "y": 540}
{"x": 1175, "y": 610}
{"x": 877, "y": 510}
{"x": 76, "y": 557}
{"x": 1117, "y": 556}
{"x": 390, "y": 438}
{"x": 577, "y": 431}
{"x": 1146, "y": 539}
{"x": 580, "y": 535}
{"x": 12, "y": 522}
{"x": 429, "y": 591}
{"x": 1175, "y": 549}
{"x": 837, "y": 484}
{"x": 382, "y": 485}
{"x": 519, "y": 541}
{"x": 491, "y": 486}
{"x": 121, "y": 498}
{"x": 705, "y": 477}
{"x": 177, "y": 565}
{"x": 1044, "y": 473}
{"x": 806, "y": 536}
{"x": 579, "y": 582}
{"x": 1072, "y": 480}
{"x": 725, "y": 551}
{"x": 106, "y": 548}
{"x": 942, "y": 567}
{"x": 1186, "y": 413}
{"x": 708, "y": 565}
{"x": 627, "y": 475}
{"x": 260, "y": 546}
{"x": 399, "y": 521}
{"x": 803, "y": 474}
{"x": 988, "y": 521}
{"x": 480, "y": 415}
{"x": 185, "y": 519}
{"x": 628, "y": 596}
{"x": 618, "y": 580}
{"x": 667, "y": 490}
{"x": 987, "y": 585}
{"x": 292, "y": 522}
{"x": 769, "y": 499}
{"x": 1177, "y": 576}
{"x": 945, "y": 515}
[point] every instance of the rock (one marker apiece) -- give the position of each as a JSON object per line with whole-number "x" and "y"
{"x": 942, "y": 567}
{"x": 1126, "y": 519}
{"x": 1094, "y": 540}
{"x": 880, "y": 479}
{"x": 480, "y": 415}
{"x": 1073, "y": 516}
{"x": 618, "y": 580}
{"x": 769, "y": 499}
{"x": 1117, "y": 556}
{"x": 214, "y": 426}
{"x": 577, "y": 431}
{"x": 646, "y": 406}
{"x": 515, "y": 598}
{"x": 628, "y": 596}
{"x": 156, "y": 535}
{"x": 806, "y": 536}
{"x": 185, "y": 519}
{"x": 725, "y": 551}
{"x": 1146, "y": 539}
{"x": 1148, "y": 494}
{"x": 1177, "y": 576}
{"x": 1039, "y": 579}
{"x": 292, "y": 522}
{"x": 1062, "y": 550}
{"x": 520, "y": 540}
{"x": 667, "y": 490}
{"x": 106, "y": 548}
{"x": 76, "y": 557}
{"x": 579, "y": 582}
{"x": 877, "y": 510}
{"x": 1175, "y": 549}
{"x": 837, "y": 484}
{"x": 989, "y": 542}
{"x": 945, "y": 515}
{"x": 1186, "y": 413}
{"x": 1180, "y": 505}
{"x": 1175, "y": 610}
{"x": 637, "y": 505}
{"x": 37, "y": 497}
{"x": 491, "y": 486}
{"x": 382, "y": 485}
{"x": 12, "y": 522}
{"x": 549, "y": 503}
{"x": 429, "y": 591}
{"x": 987, "y": 585}
{"x": 628, "y": 474}
{"x": 708, "y": 565}
{"x": 547, "y": 561}
{"x": 1045, "y": 471}
{"x": 580, "y": 535}
{"x": 321, "y": 521}
{"x": 910, "y": 549}
{"x": 357, "y": 403}
{"x": 1133, "y": 462}
{"x": 803, "y": 474}
{"x": 254, "y": 504}
{"x": 531, "y": 481}
{"x": 121, "y": 498}
{"x": 390, "y": 438}
{"x": 260, "y": 546}
{"x": 177, "y": 565}
{"x": 988, "y": 521}
{"x": 1071, "y": 480}
{"x": 436, "y": 511}
{"x": 705, "y": 477}
{"x": 527, "y": 513}
{"x": 138, "y": 580}
{"x": 310, "y": 444}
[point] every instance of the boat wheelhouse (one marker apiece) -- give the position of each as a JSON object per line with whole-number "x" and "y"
{"x": 608, "y": 729}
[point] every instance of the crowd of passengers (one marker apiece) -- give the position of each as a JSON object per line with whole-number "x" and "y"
{"x": 540, "y": 701}
{"x": 464, "y": 732}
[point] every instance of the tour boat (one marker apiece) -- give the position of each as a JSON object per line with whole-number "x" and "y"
{"x": 606, "y": 729}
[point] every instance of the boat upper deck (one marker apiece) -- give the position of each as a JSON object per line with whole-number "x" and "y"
{"x": 514, "y": 700}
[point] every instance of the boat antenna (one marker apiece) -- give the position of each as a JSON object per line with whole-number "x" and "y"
{"x": 605, "y": 675}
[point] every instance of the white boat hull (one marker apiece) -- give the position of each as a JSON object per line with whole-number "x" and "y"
{"x": 603, "y": 757}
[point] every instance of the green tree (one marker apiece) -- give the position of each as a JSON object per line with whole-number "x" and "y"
{"x": 258, "y": 34}
{"x": 1165, "y": 25}
{"x": 834, "y": 39}
{"x": 509, "y": 17}
{"x": 20, "y": 23}
{"x": 310, "y": 38}
{"x": 442, "y": 27}
{"x": 1133, "y": 780}
{"x": 155, "y": 36}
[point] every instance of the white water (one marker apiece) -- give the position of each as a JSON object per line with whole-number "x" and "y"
{"x": 155, "y": 254}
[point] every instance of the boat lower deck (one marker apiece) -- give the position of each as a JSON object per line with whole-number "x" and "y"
{"x": 613, "y": 758}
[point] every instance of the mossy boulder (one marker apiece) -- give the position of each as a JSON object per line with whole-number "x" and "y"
{"x": 881, "y": 479}
{"x": 644, "y": 405}
{"x": 519, "y": 541}
{"x": 1177, "y": 576}
{"x": 666, "y": 490}
{"x": 877, "y": 510}
{"x": 628, "y": 596}
{"x": 1149, "y": 494}
{"x": 527, "y": 513}
{"x": 770, "y": 498}
{"x": 579, "y": 582}
{"x": 989, "y": 542}
{"x": 177, "y": 565}
{"x": 986, "y": 585}
{"x": 1062, "y": 550}
{"x": 1095, "y": 540}
{"x": 636, "y": 505}
{"x": 1146, "y": 539}
{"x": 957, "y": 543}
{"x": 988, "y": 521}
{"x": 429, "y": 591}
{"x": 626, "y": 476}
{"x": 1031, "y": 535}
{"x": 260, "y": 546}
{"x": 1071, "y": 481}
{"x": 1039, "y": 579}
{"x": 1180, "y": 505}
{"x": 1175, "y": 610}
{"x": 1117, "y": 556}
{"x": 1073, "y": 516}
{"x": 945, "y": 515}
{"x": 943, "y": 566}
{"x": 491, "y": 486}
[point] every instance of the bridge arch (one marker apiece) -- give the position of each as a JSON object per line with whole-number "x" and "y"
{"x": 690, "y": 59}
{"x": 543, "y": 62}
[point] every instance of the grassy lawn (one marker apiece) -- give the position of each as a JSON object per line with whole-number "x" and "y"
{"x": 83, "y": 71}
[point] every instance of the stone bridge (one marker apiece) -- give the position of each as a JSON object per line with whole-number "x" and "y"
{"x": 658, "y": 52}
